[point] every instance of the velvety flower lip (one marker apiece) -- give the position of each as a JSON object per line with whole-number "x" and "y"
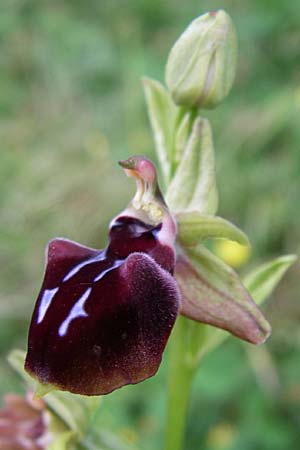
{"x": 103, "y": 317}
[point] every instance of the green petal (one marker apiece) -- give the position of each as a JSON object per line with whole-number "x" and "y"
{"x": 212, "y": 293}
{"x": 194, "y": 227}
{"x": 264, "y": 279}
{"x": 162, "y": 114}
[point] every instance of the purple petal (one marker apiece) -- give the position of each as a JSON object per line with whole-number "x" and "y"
{"x": 128, "y": 235}
{"x": 64, "y": 257}
{"x": 103, "y": 327}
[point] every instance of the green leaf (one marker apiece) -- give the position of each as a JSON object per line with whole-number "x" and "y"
{"x": 193, "y": 186}
{"x": 194, "y": 227}
{"x": 74, "y": 410}
{"x": 212, "y": 293}
{"x": 162, "y": 114}
{"x": 264, "y": 279}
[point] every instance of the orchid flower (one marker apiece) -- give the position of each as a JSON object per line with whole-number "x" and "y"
{"x": 103, "y": 317}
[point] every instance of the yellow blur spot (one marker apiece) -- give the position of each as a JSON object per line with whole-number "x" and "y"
{"x": 297, "y": 97}
{"x": 221, "y": 436}
{"x": 232, "y": 253}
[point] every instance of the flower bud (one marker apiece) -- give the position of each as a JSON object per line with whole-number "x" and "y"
{"x": 201, "y": 65}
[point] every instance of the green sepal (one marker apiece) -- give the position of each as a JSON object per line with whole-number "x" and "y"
{"x": 264, "y": 279}
{"x": 194, "y": 227}
{"x": 212, "y": 293}
{"x": 162, "y": 114}
{"x": 260, "y": 283}
{"x": 194, "y": 183}
{"x": 74, "y": 410}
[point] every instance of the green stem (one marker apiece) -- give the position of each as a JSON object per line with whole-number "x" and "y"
{"x": 181, "y": 373}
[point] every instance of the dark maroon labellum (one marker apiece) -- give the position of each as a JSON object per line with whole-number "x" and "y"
{"x": 102, "y": 318}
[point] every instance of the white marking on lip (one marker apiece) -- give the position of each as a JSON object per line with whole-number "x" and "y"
{"x": 79, "y": 266}
{"x": 76, "y": 311}
{"x": 45, "y": 302}
{"x": 117, "y": 263}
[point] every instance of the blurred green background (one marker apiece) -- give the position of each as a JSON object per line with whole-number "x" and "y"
{"x": 71, "y": 105}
